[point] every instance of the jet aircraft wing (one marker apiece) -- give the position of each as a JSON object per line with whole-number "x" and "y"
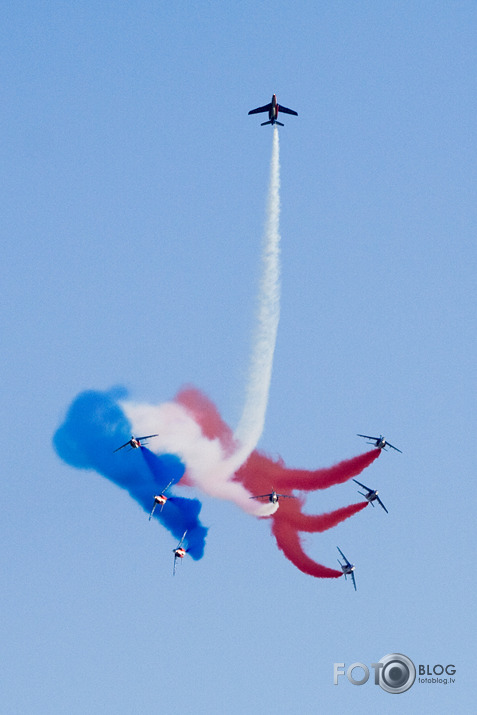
{"x": 260, "y": 496}
{"x": 367, "y": 436}
{"x": 165, "y": 488}
{"x": 393, "y": 447}
{"x": 362, "y": 485}
{"x": 265, "y": 108}
{"x": 353, "y": 579}
{"x": 281, "y": 108}
{"x": 342, "y": 554}
{"x": 122, "y": 446}
{"x": 379, "y": 500}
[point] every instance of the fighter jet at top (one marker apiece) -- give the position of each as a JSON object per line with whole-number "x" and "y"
{"x": 371, "y": 495}
{"x": 273, "y": 108}
{"x": 347, "y": 568}
{"x": 379, "y": 442}
{"x": 135, "y": 442}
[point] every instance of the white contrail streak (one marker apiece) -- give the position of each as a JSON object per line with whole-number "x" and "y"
{"x": 250, "y": 427}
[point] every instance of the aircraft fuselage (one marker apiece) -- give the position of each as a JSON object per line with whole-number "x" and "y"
{"x": 273, "y": 111}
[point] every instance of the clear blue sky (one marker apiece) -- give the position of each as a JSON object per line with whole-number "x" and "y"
{"x": 133, "y": 203}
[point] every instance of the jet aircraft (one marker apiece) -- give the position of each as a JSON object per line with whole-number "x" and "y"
{"x": 273, "y": 108}
{"x": 179, "y": 552}
{"x": 347, "y": 568}
{"x": 135, "y": 442}
{"x": 160, "y": 499}
{"x": 379, "y": 442}
{"x": 371, "y": 495}
{"x": 273, "y": 497}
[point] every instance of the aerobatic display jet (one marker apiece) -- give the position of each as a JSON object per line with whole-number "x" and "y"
{"x": 371, "y": 495}
{"x": 273, "y": 108}
{"x": 135, "y": 442}
{"x": 179, "y": 552}
{"x": 160, "y": 499}
{"x": 379, "y": 442}
{"x": 347, "y": 568}
{"x": 273, "y": 497}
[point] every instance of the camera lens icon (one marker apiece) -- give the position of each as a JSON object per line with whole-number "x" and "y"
{"x": 397, "y": 674}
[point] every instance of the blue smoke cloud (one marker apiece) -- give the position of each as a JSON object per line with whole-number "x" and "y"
{"x": 94, "y": 427}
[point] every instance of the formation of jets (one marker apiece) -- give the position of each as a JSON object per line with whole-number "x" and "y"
{"x": 273, "y": 108}
{"x": 371, "y": 495}
{"x": 273, "y": 497}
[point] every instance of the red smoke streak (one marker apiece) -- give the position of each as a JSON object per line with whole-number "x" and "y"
{"x": 289, "y": 520}
{"x": 261, "y": 471}
{"x": 290, "y": 512}
{"x": 261, "y": 474}
{"x": 288, "y": 541}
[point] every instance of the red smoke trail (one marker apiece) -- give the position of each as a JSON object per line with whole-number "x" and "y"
{"x": 260, "y": 474}
{"x": 289, "y": 520}
{"x": 288, "y": 541}
{"x": 290, "y": 512}
{"x": 261, "y": 471}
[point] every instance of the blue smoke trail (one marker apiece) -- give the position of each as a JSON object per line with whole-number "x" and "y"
{"x": 94, "y": 427}
{"x": 177, "y": 510}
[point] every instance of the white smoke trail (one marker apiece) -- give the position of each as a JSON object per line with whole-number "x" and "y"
{"x": 250, "y": 427}
{"x": 208, "y": 466}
